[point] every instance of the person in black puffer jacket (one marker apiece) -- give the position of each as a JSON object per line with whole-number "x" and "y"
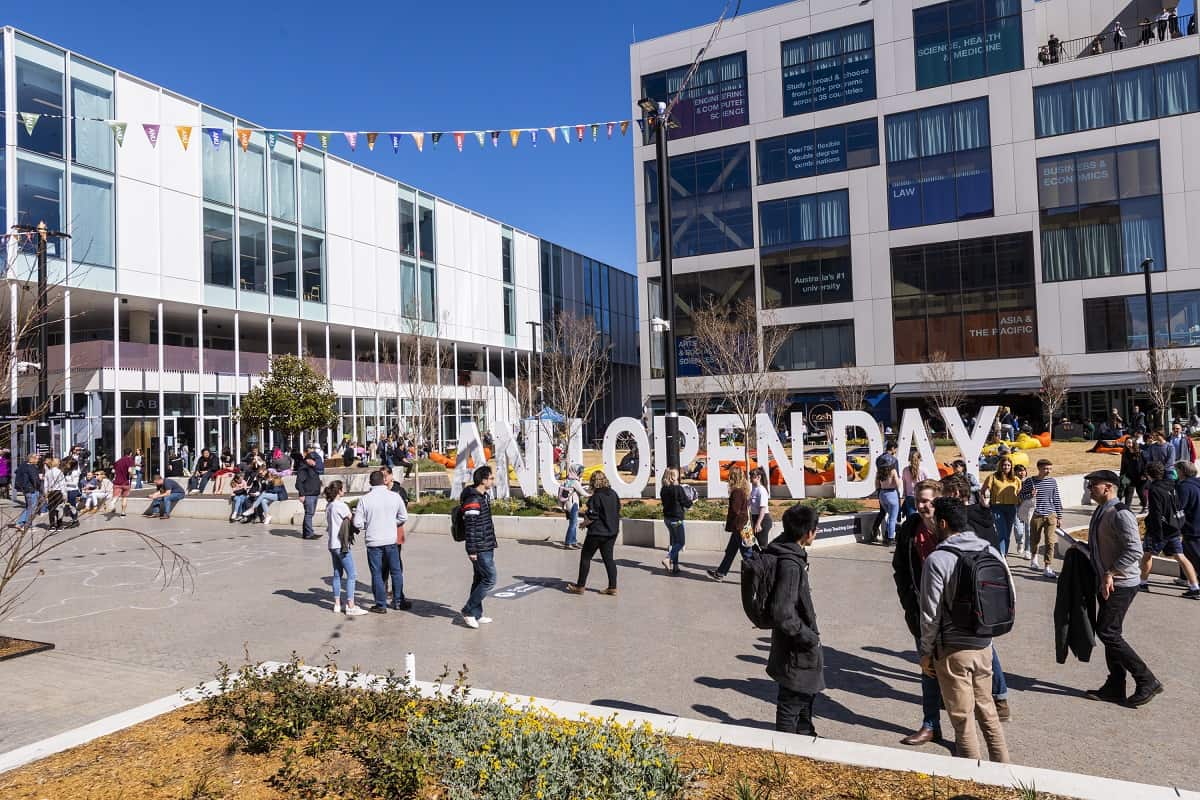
{"x": 603, "y": 523}
{"x": 480, "y": 543}
{"x": 675, "y": 502}
{"x": 308, "y": 486}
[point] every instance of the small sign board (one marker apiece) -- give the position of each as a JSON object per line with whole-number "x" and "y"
{"x": 850, "y": 526}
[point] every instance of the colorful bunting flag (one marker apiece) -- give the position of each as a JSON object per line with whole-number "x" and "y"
{"x": 272, "y": 137}
{"x": 118, "y": 129}
{"x": 185, "y": 134}
{"x": 395, "y": 143}
{"x": 479, "y": 137}
{"x": 298, "y": 138}
{"x": 579, "y": 132}
{"x": 437, "y": 137}
{"x": 371, "y": 137}
{"x": 495, "y": 139}
{"x": 533, "y": 136}
{"x": 30, "y": 121}
{"x": 324, "y": 137}
{"x": 624, "y": 126}
{"x": 458, "y": 139}
{"x": 351, "y": 139}
{"x": 151, "y": 134}
{"x": 515, "y": 136}
{"x": 553, "y": 134}
{"x": 566, "y": 133}
{"x": 610, "y": 130}
{"x": 419, "y": 140}
{"x": 214, "y": 136}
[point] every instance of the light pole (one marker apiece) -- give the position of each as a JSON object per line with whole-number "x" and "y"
{"x": 1152, "y": 356}
{"x": 658, "y": 118}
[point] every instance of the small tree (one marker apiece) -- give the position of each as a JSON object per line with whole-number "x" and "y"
{"x": 1160, "y": 382}
{"x": 851, "y": 384}
{"x": 418, "y": 380}
{"x": 1052, "y": 372}
{"x": 291, "y": 397}
{"x": 944, "y": 380}
{"x": 576, "y": 371}
{"x": 736, "y": 345}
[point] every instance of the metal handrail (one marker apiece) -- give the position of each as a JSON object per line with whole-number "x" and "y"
{"x": 1139, "y": 36}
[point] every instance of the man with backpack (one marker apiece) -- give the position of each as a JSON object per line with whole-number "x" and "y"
{"x": 1188, "y": 491}
{"x": 1115, "y": 547}
{"x": 1164, "y": 529}
{"x": 472, "y": 521}
{"x": 966, "y": 598}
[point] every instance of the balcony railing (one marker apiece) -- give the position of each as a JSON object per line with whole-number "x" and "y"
{"x": 1144, "y": 35}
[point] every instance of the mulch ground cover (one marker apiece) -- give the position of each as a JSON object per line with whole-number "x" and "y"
{"x": 12, "y": 648}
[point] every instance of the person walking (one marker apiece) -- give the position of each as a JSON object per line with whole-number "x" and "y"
{"x": 1047, "y": 510}
{"x": 71, "y": 475}
{"x": 887, "y": 486}
{"x": 910, "y": 476}
{"x": 345, "y": 578}
{"x": 1024, "y": 516}
{"x": 676, "y": 500}
{"x": 796, "y": 661}
{"x": 54, "y": 482}
{"x": 1132, "y": 473}
{"x": 571, "y": 494}
{"x": 737, "y": 517}
{"x": 308, "y": 486}
{"x": 480, "y": 543}
{"x": 1186, "y": 496}
{"x": 951, "y": 649}
{"x": 120, "y": 480}
{"x": 28, "y": 481}
{"x": 167, "y": 493}
{"x": 1115, "y": 548}
{"x": 1158, "y": 451}
{"x": 378, "y": 513}
{"x": 602, "y": 522}
{"x": 1000, "y": 494}
{"x": 760, "y": 506}
{"x": 1164, "y": 529}
{"x": 1182, "y": 447}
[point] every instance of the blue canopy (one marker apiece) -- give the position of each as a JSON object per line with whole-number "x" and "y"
{"x": 548, "y": 414}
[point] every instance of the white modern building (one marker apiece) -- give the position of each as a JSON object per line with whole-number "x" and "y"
{"x": 187, "y": 268}
{"x": 901, "y": 178}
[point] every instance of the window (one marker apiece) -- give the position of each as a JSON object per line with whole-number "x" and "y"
{"x": 91, "y": 97}
{"x": 218, "y": 248}
{"x": 510, "y": 312}
{"x": 283, "y": 181}
{"x": 92, "y": 226}
{"x": 252, "y": 255}
{"x": 939, "y": 164}
{"x": 408, "y": 231}
{"x": 966, "y": 39}
{"x": 710, "y": 203}
{"x": 39, "y": 198}
{"x": 715, "y": 99}
{"x": 1101, "y": 212}
{"x": 252, "y": 191}
{"x": 283, "y": 262}
{"x": 312, "y": 191}
{"x": 428, "y": 294}
{"x": 695, "y": 290}
{"x": 971, "y": 299}
{"x": 828, "y": 69}
{"x": 506, "y": 256}
{"x": 1130, "y": 95}
{"x": 834, "y": 149}
{"x": 425, "y": 227}
{"x": 217, "y": 161}
{"x": 1119, "y": 323}
{"x": 824, "y": 345}
{"x": 312, "y": 250}
{"x": 408, "y": 289}
{"x": 805, "y": 252}
{"x": 40, "y": 91}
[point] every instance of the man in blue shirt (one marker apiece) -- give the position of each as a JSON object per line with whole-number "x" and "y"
{"x": 1182, "y": 446}
{"x": 166, "y": 494}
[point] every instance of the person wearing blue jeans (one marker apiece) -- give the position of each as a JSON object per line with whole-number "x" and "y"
{"x": 33, "y": 502}
{"x": 675, "y": 502}
{"x": 28, "y": 481}
{"x": 483, "y": 580}
{"x": 480, "y": 543}
{"x": 572, "y": 493}
{"x": 386, "y": 558}
{"x": 166, "y": 494}
{"x": 887, "y": 484}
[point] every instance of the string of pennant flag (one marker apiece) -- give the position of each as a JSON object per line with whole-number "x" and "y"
{"x": 217, "y": 135}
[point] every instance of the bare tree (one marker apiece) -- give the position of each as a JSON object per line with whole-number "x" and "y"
{"x": 736, "y": 346}
{"x": 696, "y": 404}
{"x": 851, "y": 384}
{"x": 1160, "y": 382}
{"x": 1052, "y": 391}
{"x": 576, "y": 367}
{"x": 944, "y": 381}
{"x": 520, "y": 386}
{"x": 418, "y": 381}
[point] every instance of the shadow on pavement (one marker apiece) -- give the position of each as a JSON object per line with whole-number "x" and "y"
{"x": 657, "y": 569}
{"x": 627, "y": 706}
{"x": 1021, "y": 683}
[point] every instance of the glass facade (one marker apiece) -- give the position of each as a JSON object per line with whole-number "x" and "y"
{"x": 93, "y": 222}
{"x": 711, "y": 208}
{"x": 313, "y": 254}
{"x": 40, "y": 198}
{"x": 966, "y": 39}
{"x": 723, "y": 288}
{"x": 715, "y": 100}
{"x": 283, "y": 180}
{"x": 91, "y": 97}
{"x": 252, "y": 174}
{"x": 425, "y": 227}
{"x": 312, "y": 190}
{"x": 40, "y": 91}
{"x": 252, "y": 255}
{"x": 1113, "y": 324}
{"x": 836, "y": 148}
{"x": 283, "y": 262}
{"x": 971, "y": 299}
{"x": 408, "y": 225}
{"x": 805, "y": 250}
{"x": 823, "y": 345}
{"x": 217, "y": 161}
{"x": 939, "y": 164}
{"x": 218, "y": 248}
{"x": 1101, "y": 212}
{"x": 1130, "y": 95}
{"x": 828, "y": 69}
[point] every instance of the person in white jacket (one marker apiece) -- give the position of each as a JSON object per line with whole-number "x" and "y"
{"x": 379, "y": 514}
{"x": 336, "y": 512}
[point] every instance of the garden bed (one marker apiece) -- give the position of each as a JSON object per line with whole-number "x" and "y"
{"x": 279, "y": 735}
{"x": 14, "y": 648}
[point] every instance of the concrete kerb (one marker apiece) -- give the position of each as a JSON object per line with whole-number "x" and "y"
{"x": 1013, "y": 776}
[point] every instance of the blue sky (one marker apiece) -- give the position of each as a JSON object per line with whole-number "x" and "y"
{"x": 414, "y": 65}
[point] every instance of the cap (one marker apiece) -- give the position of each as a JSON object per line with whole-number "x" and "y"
{"x": 1103, "y": 476}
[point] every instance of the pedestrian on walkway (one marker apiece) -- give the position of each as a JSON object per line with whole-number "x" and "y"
{"x": 137, "y": 468}
{"x": 1182, "y": 448}
{"x": 571, "y": 494}
{"x": 54, "y": 481}
{"x": 1047, "y": 510}
{"x": 1024, "y": 516}
{"x": 676, "y": 500}
{"x": 28, "y": 481}
{"x": 1187, "y": 549}
{"x": 999, "y": 494}
{"x": 910, "y": 476}
{"x": 1115, "y": 547}
{"x": 120, "y": 480}
{"x": 308, "y": 486}
{"x": 71, "y": 475}
{"x": 760, "y": 506}
{"x": 887, "y": 485}
{"x": 345, "y": 578}
{"x": 951, "y": 646}
{"x": 1158, "y": 451}
{"x": 737, "y": 517}
{"x": 480, "y": 543}
{"x": 1132, "y": 473}
{"x": 796, "y": 661}
{"x": 602, "y": 522}
{"x": 1118, "y": 36}
{"x": 378, "y": 513}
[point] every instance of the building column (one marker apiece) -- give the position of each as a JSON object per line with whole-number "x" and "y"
{"x": 487, "y": 371}
{"x": 202, "y": 439}
{"x": 300, "y": 355}
{"x": 441, "y": 417}
{"x": 455, "y": 392}
{"x": 377, "y": 414}
{"x": 237, "y": 383}
{"x": 328, "y": 376}
{"x": 67, "y": 424}
{"x": 516, "y": 385}
{"x": 117, "y": 439}
{"x": 162, "y": 424}
{"x": 269, "y": 441}
{"x": 529, "y": 380}
{"x": 353, "y": 386}
{"x": 12, "y": 357}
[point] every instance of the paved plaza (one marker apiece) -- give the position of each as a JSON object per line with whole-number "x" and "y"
{"x": 671, "y": 645}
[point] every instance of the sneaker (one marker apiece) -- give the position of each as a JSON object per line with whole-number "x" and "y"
{"x": 1192, "y": 594}
{"x": 716, "y": 576}
{"x": 267, "y": 519}
{"x": 337, "y": 607}
{"x": 471, "y": 622}
{"x": 666, "y": 562}
{"x": 1035, "y": 564}
{"x": 1049, "y": 573}
{"x": 247, "y": 513}
{"x": 233, "y": 517}
{"x": 1002, "y": 710}
{"x": 483, "y": 620}
{"x": 571, "y": 588}
{"x": 576, "y": 546}
{"x": 354, "y": 611}
{"x": 377, "y": 609}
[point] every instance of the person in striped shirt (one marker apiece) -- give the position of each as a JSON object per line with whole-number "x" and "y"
{"x": 1047, "y": 508}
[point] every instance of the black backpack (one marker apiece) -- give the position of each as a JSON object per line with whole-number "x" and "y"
{"x": 984, "y": 604}
{"x": 758, "y": 582}
{"x": 458, "y": 524}
{"x": 1171, "y": 516}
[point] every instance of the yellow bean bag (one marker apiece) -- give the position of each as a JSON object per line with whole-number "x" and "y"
{"x": 820, "y": 462}
{"x": 1026, "y": 442}
{"x": 1019, "y": 458}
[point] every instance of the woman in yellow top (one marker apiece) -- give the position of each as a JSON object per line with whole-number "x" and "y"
{"x": 1000, "y": 492}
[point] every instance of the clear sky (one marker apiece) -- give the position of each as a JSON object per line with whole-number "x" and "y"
{"x": 405, "y": 65}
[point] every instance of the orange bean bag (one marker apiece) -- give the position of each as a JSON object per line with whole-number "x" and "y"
{"x": 945, "y": 470}
{"x": 1044, "y": 438}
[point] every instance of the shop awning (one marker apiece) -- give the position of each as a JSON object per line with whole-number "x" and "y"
{"x": 1015, "y": 385}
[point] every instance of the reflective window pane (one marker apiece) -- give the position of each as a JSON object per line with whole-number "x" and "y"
{"x": 39, "y": 78}
{"x": 283, "y": 181}
{"x": 217, "y": 161}
{"x": 93, "y": 227}
{"x": 218, "y": 248}
{"x": 425, "y": 228}
{"x": 313, "y": 253}
{"x": 252, "y": 191}
{"x": 828, "y": 69}
{"x": 312, "y": 194}
{"x": 252, "y": 255}
{"x": 283, "y": 262}
{"x": 39, "y": 199}
{"x": 92, "y": 141}
{"x": 408, "y": 227}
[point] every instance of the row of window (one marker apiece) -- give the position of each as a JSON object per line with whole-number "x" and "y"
{"x": 1119, "y": 323}
{"x": 835, "y": 148}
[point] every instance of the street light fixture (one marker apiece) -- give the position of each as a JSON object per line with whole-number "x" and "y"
{"x": 658, "y": 118}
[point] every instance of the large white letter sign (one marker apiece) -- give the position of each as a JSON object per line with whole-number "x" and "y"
{"x": 641, "y": 442}
{"x": 769, "y": 446}
{"x": 688, "y": 448}
{"x": 843, "y": 486}
{"x": 970, "y": 445}
{"x": 718, "y": 452}
{"x": 470, "y": 446}
{"x": 545, "y": 434}
{"x": 506, "y": 452}
{"x": 912, "y": 429}
{"x": 509, "y": 455}
{"x": 574, "y": 441}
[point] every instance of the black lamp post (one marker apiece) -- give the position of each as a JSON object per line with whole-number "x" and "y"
{"x": 658, "y": 118}
{"x": 1152, "y": 356}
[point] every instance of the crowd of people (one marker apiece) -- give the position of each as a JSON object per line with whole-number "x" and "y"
{"x": 1163, "y": 26}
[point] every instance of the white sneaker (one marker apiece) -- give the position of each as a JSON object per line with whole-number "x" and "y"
{"x": 484, "y": 620}
{"x": 666, "y": 562}
{"x": 355, "y": 611}
{"x": 471, "y": 622}
{"x": 267, "y": 519}
{"x": 1035, "y": 564}
{"x": 233, "y": 517}
{"x": 337, "y": 607}
{"x": 247, "y": 513}
{"x": 1049, "y": 573}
